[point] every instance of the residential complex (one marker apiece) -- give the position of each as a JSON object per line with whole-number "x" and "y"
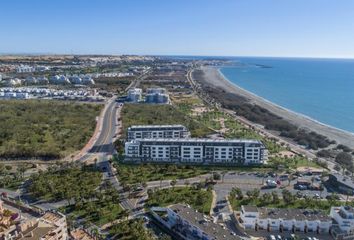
{"x": 295, "y": 220}
{"x": 134, "y": 95}
{"x": 153, "y": 95}
{"x": 196, "y": 151}
{"x": 25, "y": 69}
{"x": 46, "y": 93}
{"x": 49, "y": 226}
{"x": 157, "y": 95}
{"x": 190, "y": 224}
{"x": 343, "y": 222}
{"x": 157, "y": 131}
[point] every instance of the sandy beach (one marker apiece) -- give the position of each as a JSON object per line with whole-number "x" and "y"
{"x": 214, "y": 77}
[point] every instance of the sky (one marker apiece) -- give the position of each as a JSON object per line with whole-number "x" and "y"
{"x": 282, "y": 28}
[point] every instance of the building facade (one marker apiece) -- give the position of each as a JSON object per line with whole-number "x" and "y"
{"x": 344, "y": 221}
{"x": 157, "y": 95}
{"x": 134, "y": 95}
{"x": 157, "y": 131}
{"x": 25, "y": 69}
{"x": 293, "y": 220}
{"x": 196, "y": 151}
{"x": 342, "y": 184}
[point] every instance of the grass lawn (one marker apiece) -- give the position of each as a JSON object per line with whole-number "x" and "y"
{"x": 132, "y": 174}
{"x": 199, "y": 199}
{"x": 45, "y": 129}
{"x": 146, "y": 114}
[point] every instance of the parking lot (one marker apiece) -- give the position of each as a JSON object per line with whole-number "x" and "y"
{"x": 250, "y": 180}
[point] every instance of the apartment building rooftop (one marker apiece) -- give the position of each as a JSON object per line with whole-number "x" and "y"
{"x": 201, "y": 140}
{"x": 199, "y": 220}
{"x": 80, "y": 234}
{"x": 52, "y": 216}
{"x": 288, "y": 214}
{"x": 39, "y": 230}
{"x": 250, "y": 208}
{"x": 155, "y": 126}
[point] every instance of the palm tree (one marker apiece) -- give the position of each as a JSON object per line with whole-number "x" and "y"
{"x": 94, "y": 232}
{"x": 290, "y": 178}
{"x": 125, "y": 214}
{"x": 223, "y": 176}
{"x": 275, "y": 197}
{"x": 173, "y": 183}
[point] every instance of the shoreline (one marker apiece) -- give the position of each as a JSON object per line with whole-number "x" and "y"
{"x": 214, "y": 76}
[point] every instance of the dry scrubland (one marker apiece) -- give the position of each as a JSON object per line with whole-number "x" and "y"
{"x": 45, "y": 129}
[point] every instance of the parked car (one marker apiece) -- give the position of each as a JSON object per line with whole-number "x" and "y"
{"x": 272, "y": 237}
{"x": 271, "y": 183}
{"x": 283, "y": 177}
{"x": 333, "y": 196}
{"x": 300, "y": 187}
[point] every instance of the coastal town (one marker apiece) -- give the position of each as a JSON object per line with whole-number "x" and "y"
{"x": 170, "y": 151}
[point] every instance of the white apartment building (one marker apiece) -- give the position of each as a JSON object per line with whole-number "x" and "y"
{"x": 25, "y": 69}
{"x": 343, "y": 226}
{"x": 59, "y": 79}
{"x": 294, "y": 220}
{"x": 190, "y": 224}
{"x": 157, "y": 131}
{"x": 157, "y": 95}
{"x": 196, "y": 151}
{"x": 134, "y": 95}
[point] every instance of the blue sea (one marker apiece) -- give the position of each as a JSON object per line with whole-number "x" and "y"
{"x": 322, "y": 89}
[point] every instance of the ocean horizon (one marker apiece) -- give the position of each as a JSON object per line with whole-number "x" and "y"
{"x": 321, "y": 89}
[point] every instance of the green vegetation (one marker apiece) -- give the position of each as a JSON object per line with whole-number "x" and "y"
{"x": 142, "y": 173}
{"x": 218, "y": 120}
{"x": 273, "y": 200}
{"x": 345, "y": 160}
{"x": 113, "y": 84}
{"x": 135, "y": 174}
{"x": 103, "y": 209}
{"x": 12, "y": 178}
{"x": 65, "y": 183}
{"x": 140, "y": 114}
{"x": 44, "y": 129}
{"x": 199, "y": 199}
{"x": 292, "y": 163}
{"x": 130, "y": 230}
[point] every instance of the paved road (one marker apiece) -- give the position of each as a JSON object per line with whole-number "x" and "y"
{"x": 103, "y": 148}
